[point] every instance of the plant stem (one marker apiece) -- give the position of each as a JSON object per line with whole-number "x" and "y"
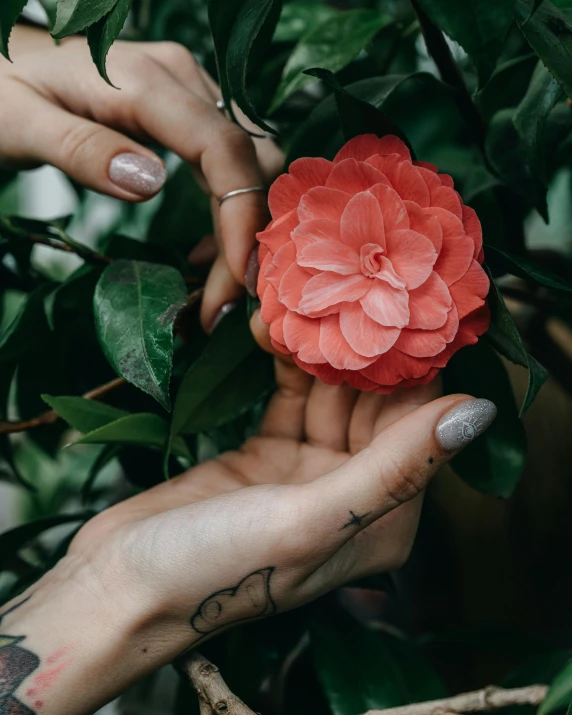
{"x": 49, "y": 417}
{"x": 451, "y": 74}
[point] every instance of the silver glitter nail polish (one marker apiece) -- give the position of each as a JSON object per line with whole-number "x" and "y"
{"x": 138, "y": 174}
{"x": 465, "y": 423}
{"x": 225, "y": 310}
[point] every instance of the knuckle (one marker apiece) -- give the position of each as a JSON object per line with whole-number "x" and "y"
{"x": 400, "y": 481}
{"x": 80, "y": 143}
{"x": 175, "y": 55}
{"x": 235, "y": 140}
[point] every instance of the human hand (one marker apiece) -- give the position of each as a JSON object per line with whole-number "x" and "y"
{"x": 328, "y": 492}
{"x": 57, "y": 110}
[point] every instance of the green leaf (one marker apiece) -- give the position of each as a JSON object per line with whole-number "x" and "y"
{"x": 143, "y": 429}
{"x": 297, "y": 18}
{"x": 9, "y": 12}
{"x": 229, "y": 377}
{"x": 494, "y": 463}
{"x": 479, "y": 26}
{"x": 108, "y": 453}
{"x": 331, "y": 45}
{"x": 252, "y": 31}
{"x": 531, "y": 117}
{"x": 560, "y": 693}
{"x": 136, "y": 304}
{"x": 504, "y": 336}
{"x": 82, "y": 414}
{"x": 526, "y": 268}
{"x": 356, "y": 115}
{"x": 369, "y": 679}
{"x": 14, "y": 539}
{"x": 550, "y": 35}
{"x": 507, "y": 85}
{"x": 504, "y": 150}
{"x": 27, "y": 329}
{"x": 102, "y": 34}
{"x": 75, "y": 15}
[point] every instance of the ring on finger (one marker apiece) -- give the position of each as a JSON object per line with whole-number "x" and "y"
{"x": 237, "y": 192}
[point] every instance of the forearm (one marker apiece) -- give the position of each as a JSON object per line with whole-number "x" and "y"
{"x": 73, "y": 643}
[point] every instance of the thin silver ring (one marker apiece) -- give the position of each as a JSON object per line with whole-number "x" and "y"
{"x": 221, "y": 106}
{"x": 236, "y": 192}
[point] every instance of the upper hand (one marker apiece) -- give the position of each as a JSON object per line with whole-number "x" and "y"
{"x": 57, "y": 110}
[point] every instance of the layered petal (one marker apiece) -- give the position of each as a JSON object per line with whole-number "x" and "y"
{"x": 428, "y": 343}
{"x": 323, "y": 202}
{"x": 313, "y": 231}
{"x": 386, "y": 305}
{"x": 352, "y": 176}
{"x": 412, "y": 255}
{"x": 362, "y": 222}
{"x": 364, "y": 335}
{"x": 330, "y": 256}
{"x": 328, "y": 289}
{"x": 393, "y": 209}
{"x": 429, "y": 305}
{"x": 303, "y": 174}
{"x": 278, "y": 232}
{"x": 336, "y": 349}
{"x": 302, "y": 336}
{"x": 470, "y": 292}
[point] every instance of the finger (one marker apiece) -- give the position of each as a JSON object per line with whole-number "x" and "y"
{"x": 285, "y": 415}
{"x": 204, "y": 252}
{"x": 405, "y": 400}
{"x": 393, "y": 470}
{"x": 328, "y": 415}
{"x": 180, "y": 64}
{"x": 97, "y": 157}
{"x": 220, "y": 286}
{"x": 261, "y": 333}
{"x": 362, "y": 423}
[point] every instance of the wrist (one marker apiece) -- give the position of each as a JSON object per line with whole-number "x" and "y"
{"x": 92, "y": 636}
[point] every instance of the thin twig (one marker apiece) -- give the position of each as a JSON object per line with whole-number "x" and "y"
{"x": 491, "y": 698}
{"x": 214, "y": 694}
{"x": 49, "y": 417}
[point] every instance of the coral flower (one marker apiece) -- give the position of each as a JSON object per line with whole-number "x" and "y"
{"x": 370, "y": 271}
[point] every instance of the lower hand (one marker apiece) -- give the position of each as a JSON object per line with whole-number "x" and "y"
{"x": 330, "y": 491}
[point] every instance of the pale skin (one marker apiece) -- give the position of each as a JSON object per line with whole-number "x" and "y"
{"x": 328, "y": 492}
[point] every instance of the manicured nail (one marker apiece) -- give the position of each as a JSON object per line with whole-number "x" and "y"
{"x": 465, "y": 423}
{"x": 252, "y": 270}
{"x": 138, "y": 174}
{"x": 225, "y": 310}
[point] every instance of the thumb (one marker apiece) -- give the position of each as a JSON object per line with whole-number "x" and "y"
{"x": 396, "y": 466}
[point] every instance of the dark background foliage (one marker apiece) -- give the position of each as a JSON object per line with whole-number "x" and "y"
{"x": 480, "y": 88}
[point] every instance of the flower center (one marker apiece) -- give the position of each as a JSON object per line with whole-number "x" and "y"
{"x": 375, "y": 265}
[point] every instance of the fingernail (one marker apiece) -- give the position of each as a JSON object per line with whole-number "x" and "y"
{"x": 465, "y": 423}
{"x": 252, "y": 270}
{"x": 225, "y": 310}
{"x": 136, "y": 173}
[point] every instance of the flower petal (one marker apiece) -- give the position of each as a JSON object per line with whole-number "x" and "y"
{"x": 386, "y": 305}
{"x": 469, "y": 292}
{"x": 328, "y": 289}
{"x": 353, "y": 176}
{"x": 473, "y": 229}
{"x": 407, "y": 181}
{"x": 281, "y": 260}
{"x": 364, "y": 335}
{"x": 470, "y": 328}
{"x": 291, "y": 285}
{"x": 314, "y": 230}
{"x": 392, "y": 207}
{"x": 412, "y": 254}
{"x": 360, "y": 148}
{"x": 429, "y": 304}
{"x": 278, "y": 232}
{"x": 428, "y": 343}
{"x": 330, "y": 256}
{"x": 322, "y": 202}
{"x": 455, "y": 258}
{"x": 271, "y": 308}
{"x": 429, "y": 177}
{"x": 425, "y": 223}
{"x": 362, "y": 222}
{"x": 286, "y": 192}
{"x": 335, "y": 347}
{"x": 447, "y": 199}
{"x": 302, "y": 336}
{"x": 447, "y": 180}
{"x": 390, "y": 144}
{"x": 394, "y": 366}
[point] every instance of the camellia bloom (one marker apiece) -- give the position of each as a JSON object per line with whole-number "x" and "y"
{"x": 370, "y": 271}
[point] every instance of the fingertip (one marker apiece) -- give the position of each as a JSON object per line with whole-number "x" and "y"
{"x": 261, "y": 333}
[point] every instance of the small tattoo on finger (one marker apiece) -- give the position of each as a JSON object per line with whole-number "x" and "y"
{"x": 355, "y": 519}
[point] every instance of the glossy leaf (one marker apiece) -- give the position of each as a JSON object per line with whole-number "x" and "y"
{"x": 526, "y": 268}
{"x": 109, "y": 452}
{"x": 560, "y": 693}
{"x": 252, "y": 30}
{"x": 531, "y": 117}
{"x": 479, "y": 26}
{"x": 494, "y": 462}
{"x": 369, "y": 679}
{"x": 82, "y": 414}
{"x": 136, "y": 304}
{"x": 102, "y": 34}
{"x": 298, "y": 18}
{"x": 550, "y": 35}
{"x": 13, "y": 540}
{"x": 507, "y": 85}
{"x": 28, "y": 327}
{"x": 75, "y": 15}
{"x": 331, "y": 45}
{"x": 229, "y": 377}
{"x": 358, "y": 116}
{"x": 504, "y": 336}
{"x": 9, "y": 12}
{"x": 144, "y": 429}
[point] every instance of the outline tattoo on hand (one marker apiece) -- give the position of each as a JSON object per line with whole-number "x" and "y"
{"x": 16, "y": 664}
{"x": 355, "y": 520}
{"x": 248, "y": 600}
